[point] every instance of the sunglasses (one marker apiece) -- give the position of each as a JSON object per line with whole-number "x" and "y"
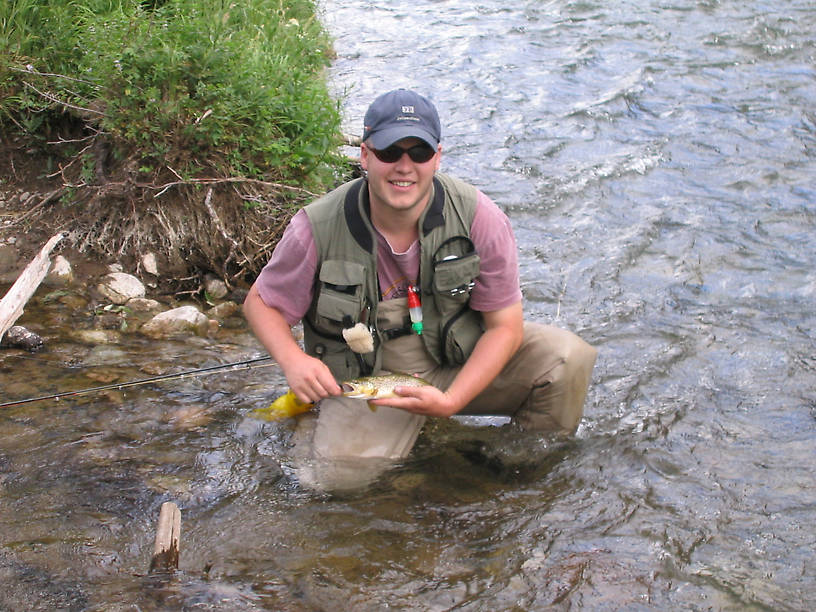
{"x": 419, "y": 154}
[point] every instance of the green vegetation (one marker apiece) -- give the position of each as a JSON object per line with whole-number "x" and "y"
{"x": 155, "y": 102}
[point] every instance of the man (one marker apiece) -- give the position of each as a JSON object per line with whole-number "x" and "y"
{"x": 348, "y": 262}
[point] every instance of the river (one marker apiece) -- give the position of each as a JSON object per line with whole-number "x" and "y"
{"x": 657, "y": 161}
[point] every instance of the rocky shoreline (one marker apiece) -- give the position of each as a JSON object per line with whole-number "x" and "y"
{"x": 102, "y": 301}
{"x": 118, "y": 303}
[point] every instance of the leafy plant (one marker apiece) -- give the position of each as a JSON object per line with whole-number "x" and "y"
{"x": 234, "y": 89}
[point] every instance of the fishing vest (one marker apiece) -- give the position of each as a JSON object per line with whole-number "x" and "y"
{"x": 346, "y": 290}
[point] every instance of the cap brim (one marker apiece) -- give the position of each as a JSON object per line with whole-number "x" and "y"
{"x": 383, "y": 139}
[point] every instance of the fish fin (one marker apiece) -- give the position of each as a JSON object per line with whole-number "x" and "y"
{"x": 287, "y": 405}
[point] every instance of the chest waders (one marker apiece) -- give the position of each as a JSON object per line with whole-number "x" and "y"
{"x": 346, "y": 290}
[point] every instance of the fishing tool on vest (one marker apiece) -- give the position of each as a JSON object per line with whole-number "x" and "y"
{"x": 415, "y": 309}
{"x": 359, "y": 338}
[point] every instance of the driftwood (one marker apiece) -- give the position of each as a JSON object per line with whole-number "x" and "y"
{"x": 12, "y": 305}
{"x": 166, "y": 548}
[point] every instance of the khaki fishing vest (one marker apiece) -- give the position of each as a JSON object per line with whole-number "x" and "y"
{"x": 346, "y": 289}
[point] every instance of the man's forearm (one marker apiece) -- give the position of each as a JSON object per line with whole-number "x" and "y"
{"x": 308, "y": 377}
{"x": 494, "y": 349}
{"x": 270, "y": 328}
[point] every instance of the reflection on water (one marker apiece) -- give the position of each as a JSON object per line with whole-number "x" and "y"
{"x": 656, "y": 160}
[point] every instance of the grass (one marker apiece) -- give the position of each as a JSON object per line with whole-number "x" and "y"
{"x": 158, "y": 96}
{"x": 238, "y": 86}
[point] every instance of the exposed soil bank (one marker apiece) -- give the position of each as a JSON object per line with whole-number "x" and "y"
{"x": 192, "y": 228}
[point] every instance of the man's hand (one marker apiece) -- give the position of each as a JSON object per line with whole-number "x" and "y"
{"x": 427, "y": 401}
{"x": 309, "y": 378}
{"x": 501, "y": 339}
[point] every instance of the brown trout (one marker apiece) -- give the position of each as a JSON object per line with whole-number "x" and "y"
{"x": 366, "y": 387}
{"x": 381, "y": 386}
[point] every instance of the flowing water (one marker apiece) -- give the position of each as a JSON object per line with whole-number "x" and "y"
{"x": 657, "y": 160}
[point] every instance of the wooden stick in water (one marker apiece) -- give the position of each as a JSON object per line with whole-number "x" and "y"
{"x": 12, "y": 304}
{"x": 166, "y": 549}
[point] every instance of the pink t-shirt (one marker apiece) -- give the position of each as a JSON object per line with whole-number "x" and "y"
{"x": 286, "y": 282}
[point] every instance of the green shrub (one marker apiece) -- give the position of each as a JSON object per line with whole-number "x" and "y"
{"x": 199, "y": 86}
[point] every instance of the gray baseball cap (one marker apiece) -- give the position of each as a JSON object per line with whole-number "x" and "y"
{"x": 399, "y": 114}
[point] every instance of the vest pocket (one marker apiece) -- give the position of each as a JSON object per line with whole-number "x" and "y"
{"x": 340, "y": 295}
{"x": 460, "y": 334}
{"x": 340, "y": 361}
{"x": 453, "y": 281}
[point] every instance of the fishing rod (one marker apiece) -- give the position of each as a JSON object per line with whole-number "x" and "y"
{"x": 246, "y": 365}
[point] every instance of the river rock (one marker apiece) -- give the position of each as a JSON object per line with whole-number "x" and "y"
{"x": 18, "y": 336}
{"x": 96, "y": 336}
{"x": 8, "y": 263}
{"x": 141, "y": 304}
{"x": 215, "y": 287}
{"x": 120, "y": 287}
{"x": 185, "y": 319}
{"x": 150, "y": 269}
{"x": 221, "y": 311}
{"x": 61, "y": 272}
{"x": 150, "y": 264}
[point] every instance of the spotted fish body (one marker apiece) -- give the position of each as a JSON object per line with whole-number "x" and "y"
{"x": 379, "y": 387}
{"x": 367, "y": 387}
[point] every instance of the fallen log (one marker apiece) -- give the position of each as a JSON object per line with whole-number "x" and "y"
{"x": 13, "y": 303}
{"x": 166, "y": 548}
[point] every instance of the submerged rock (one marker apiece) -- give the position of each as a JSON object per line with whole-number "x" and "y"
{"x": 185, "y": 319}
{"x": 8, "y": 262}
{"x": 96, "y": 336}
{"x": 120, "y": 287}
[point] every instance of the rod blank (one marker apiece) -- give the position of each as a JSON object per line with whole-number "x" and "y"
{"x": 240, "y": 364}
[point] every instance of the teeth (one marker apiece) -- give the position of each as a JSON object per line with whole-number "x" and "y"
{"x": 402, "y": 183}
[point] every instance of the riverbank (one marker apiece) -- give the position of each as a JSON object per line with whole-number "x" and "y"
{"x": 141, "y": 142}
{"x": 98, "y": 298}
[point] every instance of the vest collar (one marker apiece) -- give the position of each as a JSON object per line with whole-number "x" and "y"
{"x": 357, "y": 200}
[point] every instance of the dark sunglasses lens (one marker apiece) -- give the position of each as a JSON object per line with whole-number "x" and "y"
{"x": 389, "y": 155}
{"x": 419, "y": 154}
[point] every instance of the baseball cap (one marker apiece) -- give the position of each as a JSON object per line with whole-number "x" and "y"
{"x": 399, "y": 114}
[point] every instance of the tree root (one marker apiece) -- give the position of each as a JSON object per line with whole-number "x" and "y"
{"x": 109, "y": 208}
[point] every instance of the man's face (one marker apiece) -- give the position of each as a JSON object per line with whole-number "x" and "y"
{"x": 402, "y": 185}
